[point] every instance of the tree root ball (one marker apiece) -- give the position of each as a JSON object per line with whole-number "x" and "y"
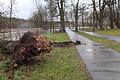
{"x": 30, "y": 45}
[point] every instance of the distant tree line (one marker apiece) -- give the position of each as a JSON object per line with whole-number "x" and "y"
{"x": 100, "y": 14}
{"x": 107, "y": 11}
{"x": 7, "y": 21}
{"x": 54, "y": 10}
{"x": 4, "y": 22}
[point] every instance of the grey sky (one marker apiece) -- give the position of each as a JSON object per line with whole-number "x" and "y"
{"x": 24, "y": 8}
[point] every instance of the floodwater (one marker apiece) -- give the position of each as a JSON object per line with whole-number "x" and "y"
{"x": 16, "y": 34}
{"x": 103, "y": 63}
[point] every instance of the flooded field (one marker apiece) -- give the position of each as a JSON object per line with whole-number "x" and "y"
{"x": 16, "y": 34}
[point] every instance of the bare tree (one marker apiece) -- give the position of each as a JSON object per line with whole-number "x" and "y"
{"x": 83, "y": 13}
{"x": 12, "y": 2}
{"x": 1, "y": 13}
{"x": 60, "y": 4}
{"x": 116, "y": 13}
{"x": 37, "y": 15}
{"x": 76, "y": 16}
{"x": 99, "y": 16}
{"x": 110, "y": 4}
{"x": 52, "y": 12}
{"x": 40, "y": 15}
{"x": 74, "y": 13}
{"x": 95, "y": 14}
{"x": 113, "y": 10}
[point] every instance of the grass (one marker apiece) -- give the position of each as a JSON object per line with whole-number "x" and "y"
{"x": 58, "y": 37}
{"x": 87, "y": 29}
{"x": 108, "y": 43}
{"x": 62, "y": 64}
{"x": 115, "y": 32}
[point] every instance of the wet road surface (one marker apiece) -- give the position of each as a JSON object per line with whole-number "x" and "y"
{"x": 110, "y": 37}
{"x": 103, "y": 63}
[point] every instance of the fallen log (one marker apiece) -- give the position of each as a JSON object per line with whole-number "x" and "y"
{"x": 66, "y": 43}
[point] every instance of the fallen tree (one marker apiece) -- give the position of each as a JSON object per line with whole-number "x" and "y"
{"x": 65, "y": 44}
{"x": 30, "y": 45}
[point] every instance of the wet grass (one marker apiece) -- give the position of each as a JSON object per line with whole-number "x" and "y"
{"x": 61, "y": 64}
{"x": 58, "y": 37}
{"x": 115, "y": 32}
{"x": 88, "y": 29}
{"x": 108, "y": 43}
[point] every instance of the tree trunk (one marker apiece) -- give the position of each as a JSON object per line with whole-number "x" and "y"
{"x": 101, "y": 20}
{"x": 61, "y": 9}
{"x": 82, "y": 20}
{"x": 110, "y": 6}
{"x": 76, "y": 17}
{"x": 118, "y": 15}
{"x": 94, "y": 20}
{"x": 100, "y": 16}
{"x": 11, "y": 10}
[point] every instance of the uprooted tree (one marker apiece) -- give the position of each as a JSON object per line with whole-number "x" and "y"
{"x": 30, "y": 45}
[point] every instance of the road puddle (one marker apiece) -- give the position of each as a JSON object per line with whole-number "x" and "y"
{"x": 90, "y": 50}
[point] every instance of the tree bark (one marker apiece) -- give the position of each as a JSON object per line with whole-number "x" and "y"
{"x": 61, "y": 12}
{"x": 62, "y": 15}
{"x": 76, "y": 16}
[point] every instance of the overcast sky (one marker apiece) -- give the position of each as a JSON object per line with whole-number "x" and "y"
{"x": 24, "y": 8}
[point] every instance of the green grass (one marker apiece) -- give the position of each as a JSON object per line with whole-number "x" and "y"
{"x": 58, "y": 37}
{"x": 88, "y": 29}
{"x": 115, "y": 32}
{"x": 108, "y": 43}
{"x": 62, "y": 64}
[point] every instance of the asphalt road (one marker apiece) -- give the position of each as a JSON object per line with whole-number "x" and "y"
{"x": 103, "y": 63}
